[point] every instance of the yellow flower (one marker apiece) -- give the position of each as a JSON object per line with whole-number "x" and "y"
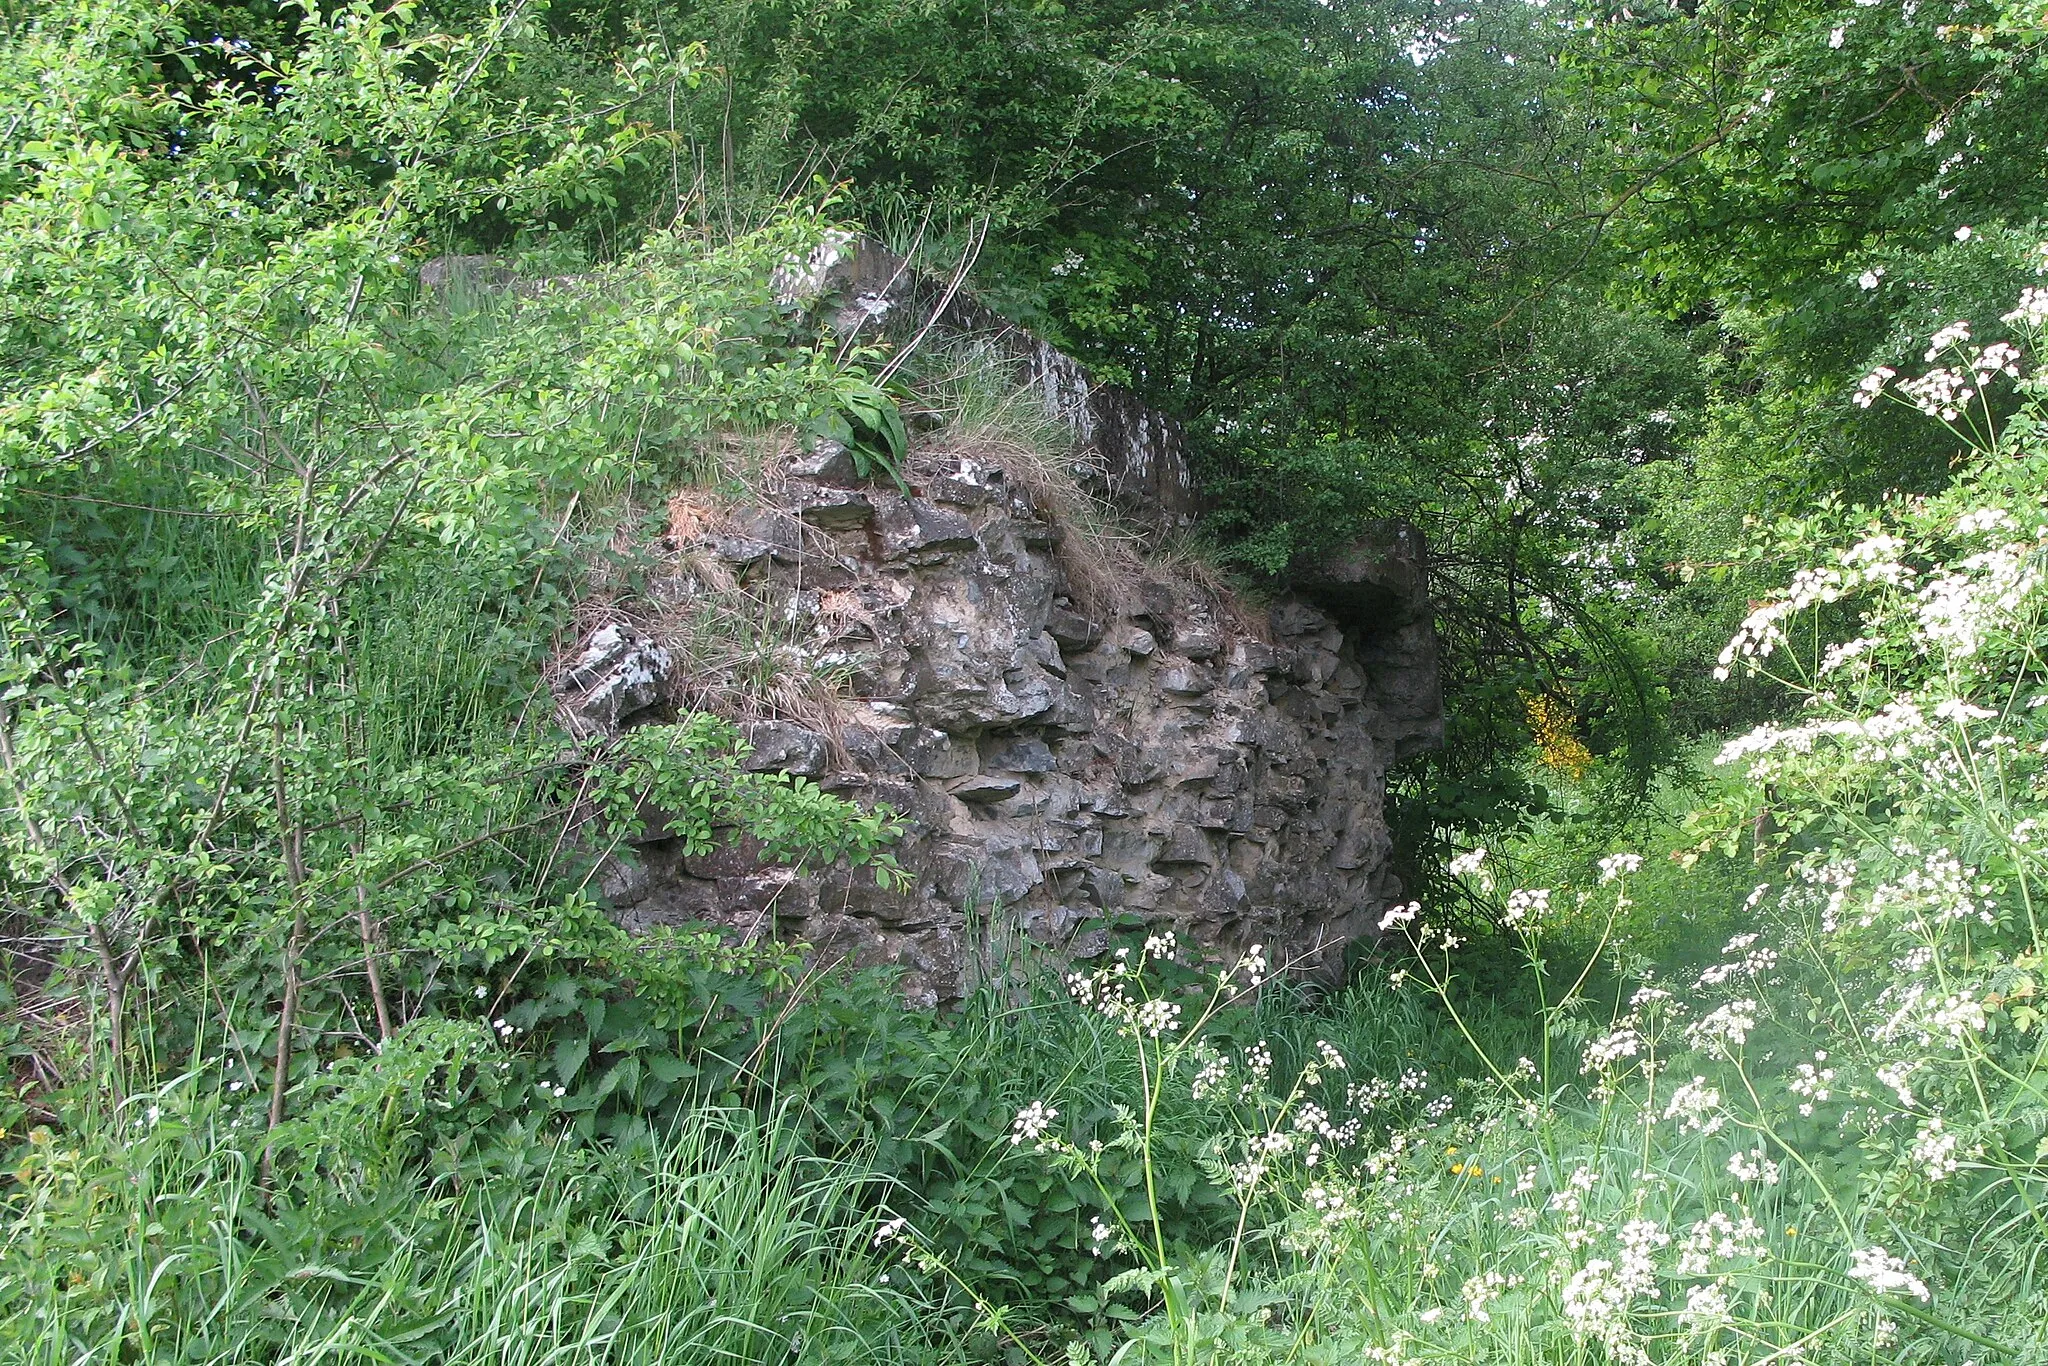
{"x": 1791, "y": 1230}
{"x": 1551, "y": 723}
{"x": 1457, "y": 1169}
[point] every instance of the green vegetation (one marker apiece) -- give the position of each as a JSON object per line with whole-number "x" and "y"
{"x": 1715, "y": 1033}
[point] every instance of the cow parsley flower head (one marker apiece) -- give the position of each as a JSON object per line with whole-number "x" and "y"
{"x": 2033, "y": 307}
{"x": 1725, "y": 1029}
{"x": 1399, "y": 915}
{"x": 1619, "y": 865}
{"x": 1468, "y": 863}
{"x": 1885, "y": 1274}
{"x": 1032, "y": 1123}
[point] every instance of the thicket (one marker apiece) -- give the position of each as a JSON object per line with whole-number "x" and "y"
{"x": 322, "y": 1044}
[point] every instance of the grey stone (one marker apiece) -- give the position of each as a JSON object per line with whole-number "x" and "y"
{"x": 932, "y": 754}
{"x": 1186, "y": 845}
{"x": 615, "y": 679}
{"x": 1198, "y": 640}
{"x": 1073, "y": 631}
{"x": 828, "y": 462}
{"x": 1029, "y": 755}
{"x": 910, "y": 525}
{"x": 984, "y": 790}
{"x": 741, "y": 551}
{"x": 837, "y": 510}
{"x": 779, "y": 747}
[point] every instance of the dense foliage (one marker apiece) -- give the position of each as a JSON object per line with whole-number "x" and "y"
{"x": 350, "y": 349}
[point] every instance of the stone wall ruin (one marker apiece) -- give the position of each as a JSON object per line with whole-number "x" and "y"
{"x": 1170, "y": 753}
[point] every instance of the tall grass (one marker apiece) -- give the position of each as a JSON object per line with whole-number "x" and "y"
{"x": 718, "y": 1242}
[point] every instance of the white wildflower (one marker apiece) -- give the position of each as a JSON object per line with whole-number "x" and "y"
{"x": 1885, "y": 1274}
{"x": 1725, "y": 1029}
{"x": 1400, "y": 915}
{"x": 1754, "y": 1165}
{"x": 1527, "y": 905}
{"x": 1706, "y": 1307}
{"x": 2033, "y": 307}
{"x": 1619, "y": 865}
{"x": 1032, "y": 1122}
{"x": 1696, "y": 1106}
{"x": 1934, "y": 1150}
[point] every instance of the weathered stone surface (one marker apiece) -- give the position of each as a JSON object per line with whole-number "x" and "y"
{"x": 837, "y": 510}
{"x": 914, "y": 525}
{"x": 1071, "y": 630}
{"x": 985, "y": 790}
{"x": 779, "y": 747}
{"x": 828, "y": 462}
{"x": 1054, "y": 755}
{"x": 618, "y": 675}
{"x": 1059, "y": 762}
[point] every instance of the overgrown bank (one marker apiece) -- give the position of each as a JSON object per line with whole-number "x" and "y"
{"x": 324, "y": 1046}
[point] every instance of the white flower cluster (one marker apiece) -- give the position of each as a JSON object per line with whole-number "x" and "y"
{"x": 1752, "y": 961}
{"x": 1706, "y": 1307}
{"x": 1755, "y": 1165}
{"x": 1568, "y": 1199}
{"x": 1725, "y": 1029}
{"x": 1115, "y": 992}
{"x": 1603, "y": 1053}
{"x": 1718, "y": 1239}
{"x": 1954, "y": 334}
{"x": 1885, "y": 1274}
{"x": 1331, "y": 1205}
{"x": 1812, "y": 1082}
{"x": 1619, "y": 865}
{"x": 2033, "y": 308}
{"x": 1928, "y": 1016}
{"x": 1598, "y": 1297}
{"x": 1934, "y": 1150}
{"x": 1896, "y": 1075}
{"x": 1871, "y": 385}
{"x": 1364, "y": 1097}
{"x": 1696, "y": 1106}
{"x": 1897, "y": 720}
{"x": 1837, "y": 656}
{"x": 1032, "y": 1122}
{"x": 1482, "y": 1290}
{"x": 1942, "y": 889}
{"x": 1958, "y": 610}
{"x": 1527, "y": 905}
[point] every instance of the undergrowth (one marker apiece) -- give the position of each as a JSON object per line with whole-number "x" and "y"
{"x": 324, "y": 1048}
